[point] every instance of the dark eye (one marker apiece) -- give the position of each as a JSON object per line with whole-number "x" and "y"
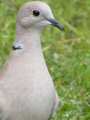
{"x": 36, "y": 13}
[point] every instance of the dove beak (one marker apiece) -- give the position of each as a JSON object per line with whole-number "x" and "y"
{"x": 56, "y": 24}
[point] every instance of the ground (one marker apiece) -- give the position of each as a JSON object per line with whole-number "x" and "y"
{"x": 67, "y": 53}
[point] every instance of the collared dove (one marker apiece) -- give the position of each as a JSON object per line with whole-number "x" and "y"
{"x": 27, "y": 91}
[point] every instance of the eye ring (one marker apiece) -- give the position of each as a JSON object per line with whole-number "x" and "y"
{"x": 36, "y": 13}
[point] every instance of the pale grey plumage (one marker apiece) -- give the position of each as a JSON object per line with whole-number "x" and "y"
{"x": 27, "y": 91}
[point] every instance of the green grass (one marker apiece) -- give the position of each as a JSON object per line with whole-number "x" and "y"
{"x": 67, "y": 53}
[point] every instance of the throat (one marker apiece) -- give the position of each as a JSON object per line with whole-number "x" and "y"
{"x": 28, "y": 42}
{"x": 31, "y": 52}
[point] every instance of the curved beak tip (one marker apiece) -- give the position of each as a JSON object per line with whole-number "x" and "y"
{"x": 61, "y": 27}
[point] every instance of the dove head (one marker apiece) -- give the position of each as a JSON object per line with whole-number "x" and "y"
{"x": 36, "y": 15}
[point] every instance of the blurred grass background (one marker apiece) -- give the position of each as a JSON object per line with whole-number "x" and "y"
{"x": 67, "y": 53}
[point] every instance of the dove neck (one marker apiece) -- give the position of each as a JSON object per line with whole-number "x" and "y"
{"x": 29, "y": 38}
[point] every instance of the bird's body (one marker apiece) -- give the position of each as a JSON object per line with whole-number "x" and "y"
{"x": 28, "y": 88}
{"x": 27, "y": 91}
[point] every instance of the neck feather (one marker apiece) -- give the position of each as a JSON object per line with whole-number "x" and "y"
{"x": 30, "y": 38}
